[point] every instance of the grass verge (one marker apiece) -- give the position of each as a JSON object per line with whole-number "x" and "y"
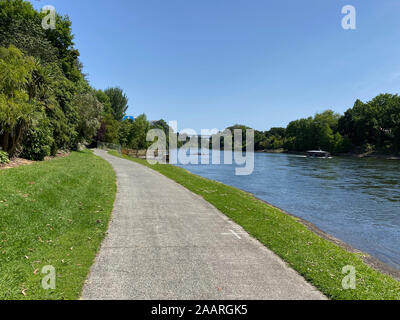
{"x": 53, "y": 213}
{"x": 318, "y": 260}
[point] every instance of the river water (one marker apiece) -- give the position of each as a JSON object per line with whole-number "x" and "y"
{"x": 355, "y": 200}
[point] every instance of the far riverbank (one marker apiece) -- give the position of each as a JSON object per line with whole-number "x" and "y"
{"x": 351, "y": 155}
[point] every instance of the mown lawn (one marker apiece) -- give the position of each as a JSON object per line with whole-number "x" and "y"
{"x": 318, "y": 260}
{"x": 56, "y": 214}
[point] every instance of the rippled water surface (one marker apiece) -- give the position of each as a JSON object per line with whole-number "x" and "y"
{"x": 355, "y": 200}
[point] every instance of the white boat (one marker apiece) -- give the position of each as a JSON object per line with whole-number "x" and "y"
{"x": 319, "y": 154}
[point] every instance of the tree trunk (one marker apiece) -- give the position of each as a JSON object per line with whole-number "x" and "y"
{"x": 5, "y": 141}
{"x": 15, "y": 138}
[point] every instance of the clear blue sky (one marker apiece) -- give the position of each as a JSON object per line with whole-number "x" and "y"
{"x": 214, "y": 63}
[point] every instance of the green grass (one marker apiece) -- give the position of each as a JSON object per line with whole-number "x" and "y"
{"x": 318, "y": 260}
{"x": 53, "y": 213}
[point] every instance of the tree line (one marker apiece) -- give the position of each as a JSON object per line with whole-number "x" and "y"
{"x": 46, "y": 102}
{"x": 367, "y": 127}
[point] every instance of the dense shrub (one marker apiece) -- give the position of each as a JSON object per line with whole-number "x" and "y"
{"x": 4, "y": 157}
{"x": 38, "y": 141}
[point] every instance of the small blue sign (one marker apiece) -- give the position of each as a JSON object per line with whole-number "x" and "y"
{"x": 129, "y": 118}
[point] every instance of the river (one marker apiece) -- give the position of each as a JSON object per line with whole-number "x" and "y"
{"x": 355, "y": 200}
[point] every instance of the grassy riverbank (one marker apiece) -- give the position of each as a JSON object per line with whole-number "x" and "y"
{"x": 53, "y": 213}
{"x": 318, "y": 260}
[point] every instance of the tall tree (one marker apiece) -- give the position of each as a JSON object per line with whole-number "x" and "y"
{"x": 90, "y": 110}
{"x": 16, "y": 107}
{"x": 140, "y": 127}
{"x": 104, "y": 100}
{"x": 373, "y": 125}
{"x": 119, "y": 102}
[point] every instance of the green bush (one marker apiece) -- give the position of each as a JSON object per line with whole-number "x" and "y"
{"x": 38, "y": 141}
{"x": 368, "y": 148}
{"x": 4, "y": 157}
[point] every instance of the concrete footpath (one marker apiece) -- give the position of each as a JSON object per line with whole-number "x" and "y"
{"x": 164, "y": 242}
